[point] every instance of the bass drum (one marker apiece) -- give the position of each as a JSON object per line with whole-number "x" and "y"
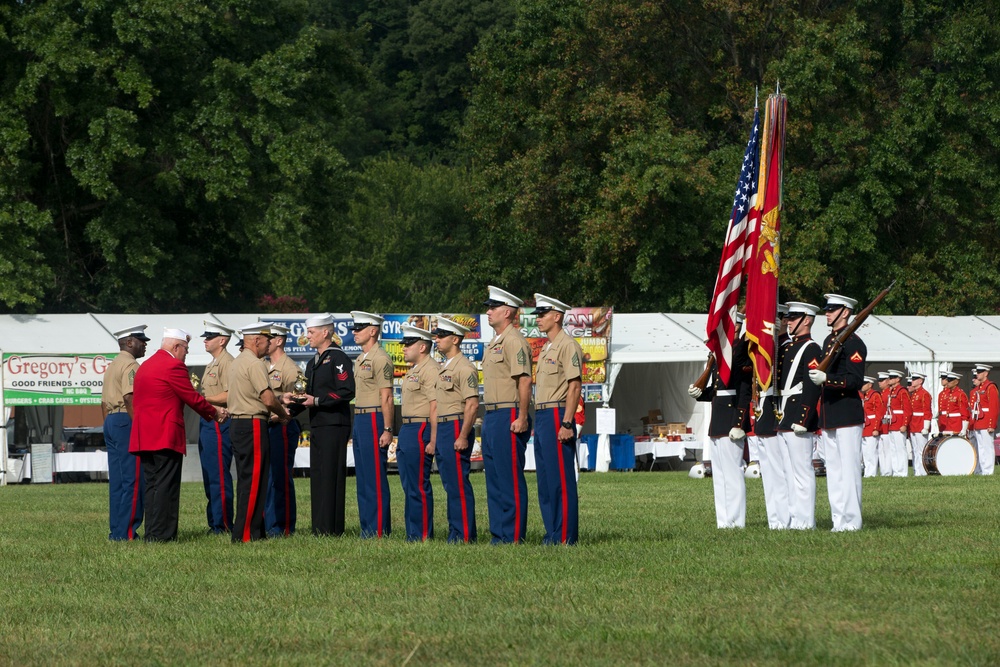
{"x": 950, "y": 455}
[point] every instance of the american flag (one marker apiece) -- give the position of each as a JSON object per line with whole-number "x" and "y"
{"x": 721, "y": 328}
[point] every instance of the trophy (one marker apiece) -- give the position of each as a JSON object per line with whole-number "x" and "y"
{"x": 195, "y": 382}
{"x": 300, "y": 388}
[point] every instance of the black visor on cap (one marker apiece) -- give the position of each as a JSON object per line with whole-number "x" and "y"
{"x": 209, "y": 335}
{"x": 444, "y": 332}
{"x": 493, "y": 303}
{"x": 541, "y": 310}
{"x": 141, "y": 336}
{"x": 358, "y": 326}
{"x": 411, "y": 340}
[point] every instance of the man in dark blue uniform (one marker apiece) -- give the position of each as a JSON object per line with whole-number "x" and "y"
{"x": 765, "y": 429}
{"x": 842, "y": 415}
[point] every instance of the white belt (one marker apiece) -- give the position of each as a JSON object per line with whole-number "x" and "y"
{"x": 871, "y": 416}
{"x": 954, "y": 414}
{"x": 918, "y": 414}
{"x": 984, "y": 409}
{"x": 725, "y": 392}
{"x": 897, "y": 412}
{"x": 768, "y": 392}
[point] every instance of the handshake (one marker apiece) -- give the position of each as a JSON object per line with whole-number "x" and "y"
{"x": 221, "y": 415}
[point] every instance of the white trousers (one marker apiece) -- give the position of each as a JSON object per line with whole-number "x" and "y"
{"x": 983, "y": 441}
{"x": 843, "y": 476}
{"x": 772, "y": 475}
{"x": 897, "y": 452}
{"x": 869, "y": 454}
{"x": 728, "y": 483}
{"x": 753, "y": 448}
{"x": 918, "y": 441}
{"x": 819, "y": 449}
{"x": 884, "y": 456}
{"x": 797, "y": 453}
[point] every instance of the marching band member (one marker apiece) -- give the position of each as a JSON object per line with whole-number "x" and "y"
{"x": 896, "y": 422}
{"x": 920, "y": 421}
{"x": 983, "y": 418}
{"x": 874, "y": 408}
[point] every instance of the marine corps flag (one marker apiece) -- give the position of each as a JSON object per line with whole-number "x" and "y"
{"x": 764, "y": 243}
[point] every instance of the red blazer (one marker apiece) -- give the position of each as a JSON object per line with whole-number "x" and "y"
{"x": 920, "y": 400}
{"x": 162, "y": 387}
{"x": 897, "y": 409}
{"x": 874, "y": 410}
{"x": 985, "y": 403}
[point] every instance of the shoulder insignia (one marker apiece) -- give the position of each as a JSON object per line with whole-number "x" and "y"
{"x": 576, "y": 360}
{"x": 814, "y": 364}
{"x": 856, "y": 358}
{"x": 472, "y": 382}
{"x": 341, "y": 373}
{"x": 131, "y": 377}
{"x": 522, "y": 358}
{"x": 387, "y": 372}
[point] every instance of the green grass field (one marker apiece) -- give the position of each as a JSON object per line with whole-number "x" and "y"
{"x": 651, "y": 582}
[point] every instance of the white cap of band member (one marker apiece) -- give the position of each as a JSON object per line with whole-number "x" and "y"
{"x": 917, "y": 376}
{"x": 952, "y": 375}
{"x": 178, "y": 334}
{"x": 979, "y": 368}
{"x": 882, "y": 375}
{"x": 278, "y": 329}
{"x": 323, "y": 320}
{"x": 412, "y": 334}
{"x": 834, "y": 301}
{"x": 138, "y": 331}
{"x": 213, "y": 329}
{"x": 446, "y": 327}
{"x": 544, "y": 304}
{"x": 256, "y": 329}
{"x": 797, "y": 307}
{"x": 363, "y": 319}
{"x": 868, "y": 379}
{"x": 499, "y": 297}
{"x": 896, "y": 374}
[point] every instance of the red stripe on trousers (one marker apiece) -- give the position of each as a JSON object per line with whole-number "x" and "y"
{"x": 423, "y": 494}
{"x": 254, "y": 483}
{"x": 135, "y": 498}
{"x": 461, "y": 484}
{"x": 562, "y": 474}
{"x": 513, "y": 470}
{"x": 284, "y": 474}
{"x": 222, "y": 479}
{"x": 378, "y": 473}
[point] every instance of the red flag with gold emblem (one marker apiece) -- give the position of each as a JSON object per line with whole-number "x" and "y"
{"x": 765, "y": 243}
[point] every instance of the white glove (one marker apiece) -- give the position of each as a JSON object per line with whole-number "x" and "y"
{"x": 947, "y": 433}
{"x": 694, "y": 392}
{"x": 736, "y": 433}
{"x": 965, "y": 428}
{"x": 927, "y": 428}
{"x": 817, "y": 376}
{"x": 799, "y": 428}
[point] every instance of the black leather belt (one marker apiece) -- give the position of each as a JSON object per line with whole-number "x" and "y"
{"x": 490, "y": 407}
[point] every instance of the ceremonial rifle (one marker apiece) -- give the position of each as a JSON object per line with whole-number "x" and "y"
{"x": 702, "y": 380}
{"x": 849, "y": 330}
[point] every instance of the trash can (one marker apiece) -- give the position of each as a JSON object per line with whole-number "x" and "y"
{"x": 622, "y": 452}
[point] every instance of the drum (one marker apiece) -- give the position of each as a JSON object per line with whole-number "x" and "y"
{"x": 950, "y": 455}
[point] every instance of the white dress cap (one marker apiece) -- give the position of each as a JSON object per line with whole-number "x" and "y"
{"x": 952, "y": 375}
{"x": 256, "y": 329}
{"x": 740, "y": 317}
{"x": 802, "y": 308}
{"x": 179, "y": 334}
{"x": 834, "y": 301}
{"x": 869, "y": 379}
{"x": 213, "y": 329}
{"x": 366, "y": 319}
{"x": 544, "y": 304}
{"x": 917, "y": 376}
{"x": 138, "y": 331}
{"x": 782, "y": 308}
{"x": 323, "y": 320}
{"x": 882, "y": 375}
{"x": 896, "y": 374}
{"x": 979, "y": 368}
{"x": 278, "y": 329}
{"x": 499, "y": 297}
{"x": 446, "y": 327}
{"x": 412, "y": 333}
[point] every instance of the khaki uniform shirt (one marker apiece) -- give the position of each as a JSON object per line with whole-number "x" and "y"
{"x": 282, "y": 375}
{"x": 506, "y": 357}
{"x": 118, "y": 379}
{"x": 457, "y": 381}
{"x": 560, "y": 361}
{"x": 419, "y": 389}
{"x": 372, "y": 372}
{"x": 247, "y": 380}
{"x": 215, "y": 379}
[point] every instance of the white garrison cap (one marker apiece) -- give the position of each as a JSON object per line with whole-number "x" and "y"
{"x": 278, "y": 329}
{"x": 256, "y": 329}
{"x": 544, "y": 304}
{"x": 179, "y": 334}
{"x": 834, "y": 301}
{"x": 213, "y": 329}
{"x": 979, "y": 368}
{"x": 412, "y": 334}
{"x": 896, "y": 374}
{"x": 363, "y": 319}
{"x": 797, "y": 307}
{"x": 499, "y": 297}
{"x": 138, "y": 331}
{"x": 917, "y": 376}
{"x": 868, "y": 379}
{"x": 323, "y": 320}
{"x": 882, "y": 375}
{"x": 446, "y": 327}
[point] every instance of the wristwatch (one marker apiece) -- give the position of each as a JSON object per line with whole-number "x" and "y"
{"x": 568, "y": 425}
{"x": 388, "y": 429}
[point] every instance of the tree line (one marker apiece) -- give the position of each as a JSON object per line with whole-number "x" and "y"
{"x": 397, "y": 155}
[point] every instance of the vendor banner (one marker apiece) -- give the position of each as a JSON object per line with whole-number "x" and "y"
{"x": 48, "y": 379}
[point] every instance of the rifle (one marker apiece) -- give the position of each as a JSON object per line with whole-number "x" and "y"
{"x": 702, "y": 380}
{"x": 849, "y": 330}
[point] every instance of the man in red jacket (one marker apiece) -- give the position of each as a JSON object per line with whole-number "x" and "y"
{"x": 874, "y": 409}
{"x": 162, "y": 388}
{"x": 920, "y": 421}
{"x": 896, "y": 422}
{"x": 983, "y": 418}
